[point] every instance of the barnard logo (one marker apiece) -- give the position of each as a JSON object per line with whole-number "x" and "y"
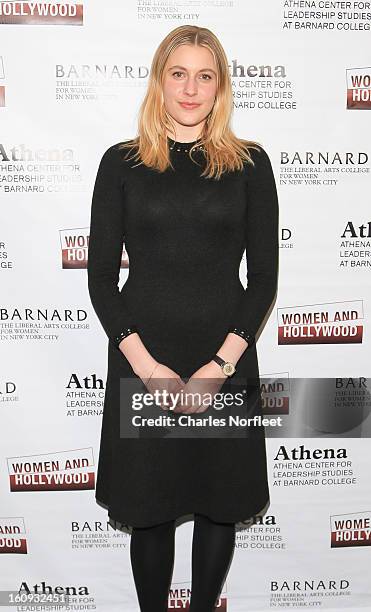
{"x": 117, "y": 72}
{"x": 66, "y": 316}
{"x": 8, "y": 391}
{"x": 311, "y": 585}
{"x": 91, "y": 527}
{"x": 324, "y": 158}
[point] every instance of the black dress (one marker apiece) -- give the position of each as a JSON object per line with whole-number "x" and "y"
{"x": 185, "y": 236}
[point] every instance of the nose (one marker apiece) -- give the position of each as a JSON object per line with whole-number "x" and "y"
{"x": 190, "y": 87}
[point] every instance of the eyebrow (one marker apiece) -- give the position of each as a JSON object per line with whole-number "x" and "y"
{"x": 201, "y": 70}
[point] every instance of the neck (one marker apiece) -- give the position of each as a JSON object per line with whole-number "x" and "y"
{"x": 182, "y": 135}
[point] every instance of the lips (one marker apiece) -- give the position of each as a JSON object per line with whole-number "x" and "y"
{"x": 188, "y": 105}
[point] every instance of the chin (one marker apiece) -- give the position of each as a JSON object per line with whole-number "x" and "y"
{"x": 189, "y": 118}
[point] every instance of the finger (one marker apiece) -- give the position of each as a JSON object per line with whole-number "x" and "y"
{"x": 202, "y": 408}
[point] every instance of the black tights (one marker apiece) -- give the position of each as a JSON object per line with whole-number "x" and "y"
{"x": 152, "y": 559}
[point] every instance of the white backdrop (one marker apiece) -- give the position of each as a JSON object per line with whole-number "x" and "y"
{"x": 72, "y": 77}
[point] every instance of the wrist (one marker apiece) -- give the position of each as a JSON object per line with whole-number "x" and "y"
{"x": 216, "y": 370}
{"x": 126, "y": 340}
{"x": 144, "y": 367}
{"x": 140, "y": 359}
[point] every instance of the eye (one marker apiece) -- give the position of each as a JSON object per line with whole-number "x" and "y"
{"x": 207, "y": 75}
{"x": 177, "y": 72}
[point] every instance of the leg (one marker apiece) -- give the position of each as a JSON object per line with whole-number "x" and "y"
{"x": 152, "y": 559}
{"x": 212, "y": 549}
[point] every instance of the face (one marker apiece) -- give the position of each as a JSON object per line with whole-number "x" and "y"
{"x": 189, "y": 89}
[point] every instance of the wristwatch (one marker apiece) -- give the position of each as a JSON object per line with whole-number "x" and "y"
{"x": 227, "y": 367}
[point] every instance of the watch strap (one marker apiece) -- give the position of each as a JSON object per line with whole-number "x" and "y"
{"x": 227, "y": 367}
{"x": 219, "y": 360}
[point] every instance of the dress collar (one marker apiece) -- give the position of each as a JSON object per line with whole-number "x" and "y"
{"x": 184, "y": 147}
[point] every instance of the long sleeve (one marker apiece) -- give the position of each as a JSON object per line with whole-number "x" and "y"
{"x": 261, "y": 234}
{"x": 105, "y": 247}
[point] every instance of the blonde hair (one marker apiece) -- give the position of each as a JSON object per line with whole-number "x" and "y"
{"x": 223, "y": 150}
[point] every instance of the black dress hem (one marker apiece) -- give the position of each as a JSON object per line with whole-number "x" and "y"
{"x": 174, "y": 515}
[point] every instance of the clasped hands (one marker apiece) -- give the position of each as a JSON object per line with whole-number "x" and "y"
{"x": 206, "y": 380}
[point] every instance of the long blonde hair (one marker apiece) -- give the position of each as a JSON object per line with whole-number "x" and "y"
{"x": 223, "y": 150}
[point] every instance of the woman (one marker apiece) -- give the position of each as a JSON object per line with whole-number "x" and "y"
{"x": 187, "y": 197}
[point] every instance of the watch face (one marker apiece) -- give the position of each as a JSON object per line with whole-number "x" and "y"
{"x": 229, "y": 369}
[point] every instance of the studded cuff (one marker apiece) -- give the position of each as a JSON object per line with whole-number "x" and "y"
{"x": 244, "y": 334}
{"x": 126, "y": 332}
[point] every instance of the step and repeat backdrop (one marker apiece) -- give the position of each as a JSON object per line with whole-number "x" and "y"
{"x": 72, "y": 76}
